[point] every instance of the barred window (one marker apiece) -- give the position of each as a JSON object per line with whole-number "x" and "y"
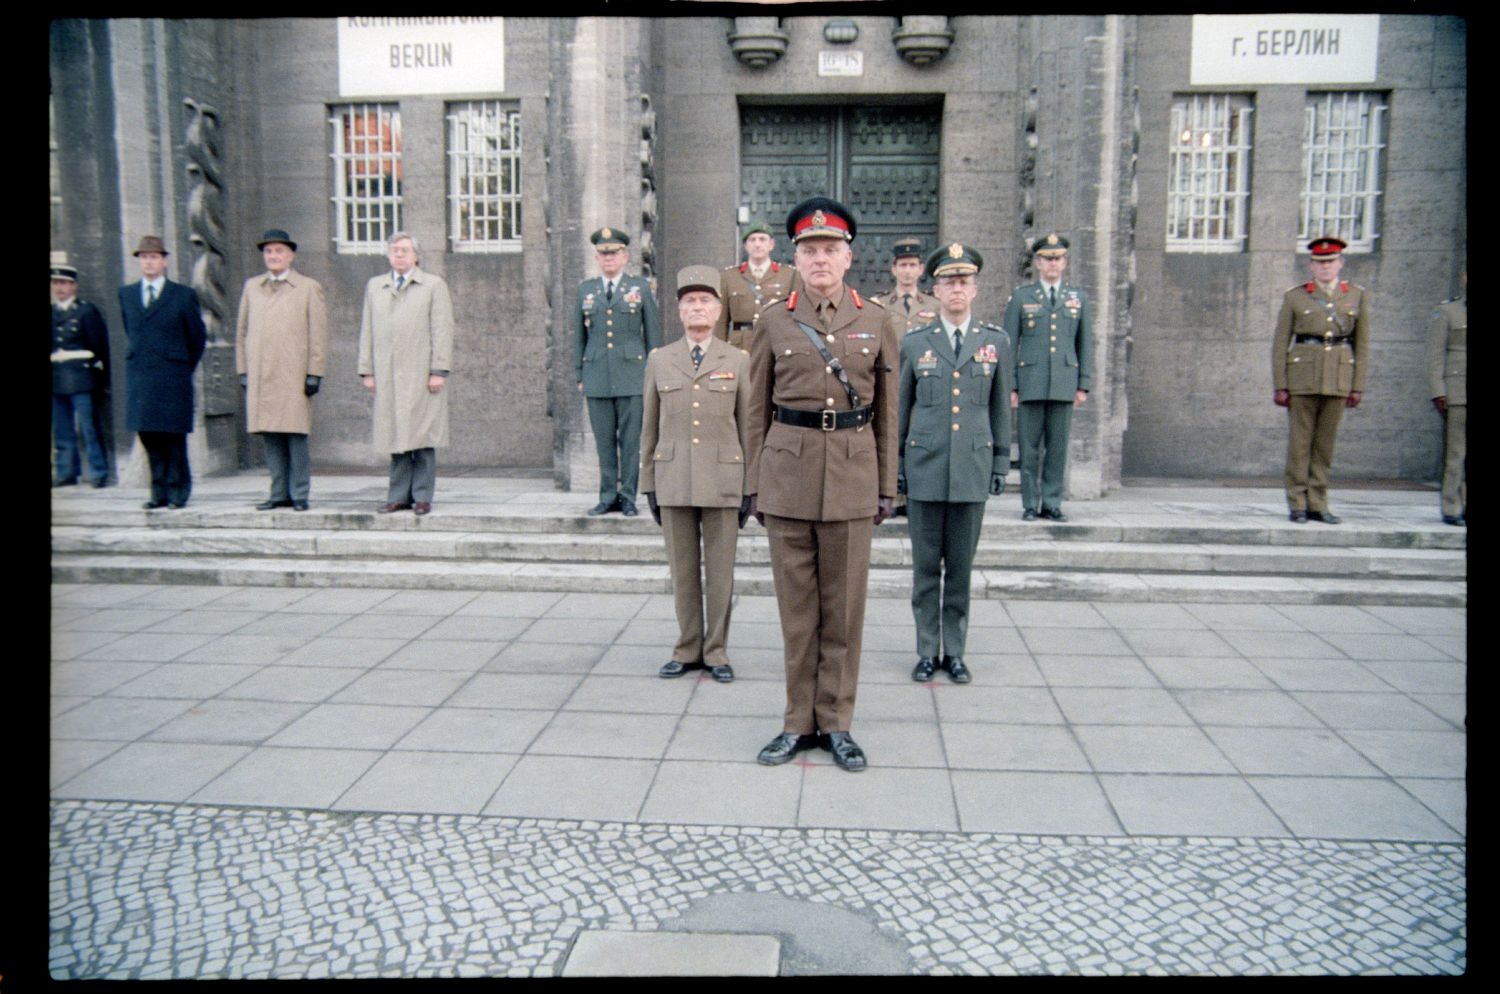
{"x": 484, "y": 176}
{"x": 1341, "y": 141}
{"x": 1208, "y": 173}
{"x": 366, "y": 176}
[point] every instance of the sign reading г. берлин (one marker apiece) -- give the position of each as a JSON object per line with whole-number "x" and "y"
{"x": 1284, "y": 48}
{"x": 396, "y": 56}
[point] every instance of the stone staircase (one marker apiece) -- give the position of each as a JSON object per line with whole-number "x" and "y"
{"x": 1206, "y": 545}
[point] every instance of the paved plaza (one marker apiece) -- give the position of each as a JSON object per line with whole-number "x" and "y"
{"x": 292, "y": 782}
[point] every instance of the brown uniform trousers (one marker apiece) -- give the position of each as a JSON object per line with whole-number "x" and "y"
{"x": 745, "y": 297}
{"x": 1319, "y": 355}
{"x": 819, "y": 489}
{"x": 693, "y": 444}
{"x": 1447, "y": 376}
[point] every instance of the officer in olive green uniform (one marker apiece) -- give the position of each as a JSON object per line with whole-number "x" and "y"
{"x": 749, "y": 287}
{"x": 1318, "y": 363}
{"x": 616, "y": 325}
{"x": 693, "y": 435}
{"x": 822, "y": 443}
{"x": 1052, "y": 345}
{"x": 907, "y": 300}
{"x": 954, "y": 432}
{"x": 1447, "y": 371}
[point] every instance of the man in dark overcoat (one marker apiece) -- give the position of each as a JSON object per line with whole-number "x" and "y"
{"x": 164, "y": 325}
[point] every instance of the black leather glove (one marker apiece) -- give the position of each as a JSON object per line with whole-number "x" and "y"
{"x": 744, "y": 510}
{"x": 311, "y": 384}
{"x": 655, "y": 507}
{"x": 901, "y": 482}
{"x": 997, "y": 484}
{"x": 244, "y": 379}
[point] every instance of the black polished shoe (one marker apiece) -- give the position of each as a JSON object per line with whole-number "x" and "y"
{"x": 267, "y": 505}
{"x": 1028, "y": 515}
{"x": 299, "y": 505}
{"x": 627, "y": 507}
{"x": 846, "y": 753}
{"x": 926, "y": 666}
{"x": 1297, "y": 517}
{"x": 957, "y": 671}
{"x": 1452, "y": 519}
{"x": 1052, "y": 514}
{"x": 723, "y": 674}
{"x": 604, "y": 507}
{"x": 1327, "y": 517}
{"x": 783, "y": 747}
{"x": 153, "y": 504}
{"x": 675, "y": 668}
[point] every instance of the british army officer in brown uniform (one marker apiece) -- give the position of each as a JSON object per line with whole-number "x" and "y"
{"x": 696, "y": 397}
{"x": 907, "y": 300}
{"x": 1447, "y": 381}
{"x": 751, "y": 286}
{"x": 822, "y": 444}
{"x": 1318, "y": 363}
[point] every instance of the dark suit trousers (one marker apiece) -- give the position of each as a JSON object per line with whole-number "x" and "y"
{"x": 413, "y": 477}
{"x": 944, "y": 538}
{"x": 821, "y": 570}
{"x": 1043, "y": 424}
{"x": 287, "y": 459}
{"x": 617, "y": 437}
{"x": 171, "y": 478}
{"x": 700, "y": 546}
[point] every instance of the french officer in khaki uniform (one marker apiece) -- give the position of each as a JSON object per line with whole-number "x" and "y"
{"x": 615, "y": 324}
{"x": 1318, "y": 360}
{"x": 822, "y": 470}
{"x": 907, "y": 300}
{"x": 1447, "y": 371}
{"x": 954, "y": 430}
{"x": 697, "y": 397}
{"x": 1052, "y": 342}
{"x": 751, "y": 286}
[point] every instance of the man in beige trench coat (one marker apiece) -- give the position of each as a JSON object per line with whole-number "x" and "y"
{"x": 696, "y": 401}
{"x": 281, "y": 351}
{"x": 405, "y": 354}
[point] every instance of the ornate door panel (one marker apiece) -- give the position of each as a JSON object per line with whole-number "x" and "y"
{"x": 881, "y": 161}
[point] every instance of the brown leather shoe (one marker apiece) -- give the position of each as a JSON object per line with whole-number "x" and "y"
{"x": 388, "y": 508}
{"x": 421, "y": 507}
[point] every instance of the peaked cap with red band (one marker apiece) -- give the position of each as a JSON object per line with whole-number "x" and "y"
{"x": 1322, "y": 248}
{"x": 821, "y": 217}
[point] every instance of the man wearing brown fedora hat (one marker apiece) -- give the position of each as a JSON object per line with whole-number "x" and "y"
{"x": 164, "y": 324}
{"x": 281, "y": 349}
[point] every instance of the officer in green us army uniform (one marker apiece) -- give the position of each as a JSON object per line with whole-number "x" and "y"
{"x": 954, "y": 432}
{"x": 616, "y": 326}
{"x": 1318, "y": 361}
{"x": 1052, "y": 340}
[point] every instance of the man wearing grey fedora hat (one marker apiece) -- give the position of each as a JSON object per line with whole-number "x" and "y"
{"x": 281, "y": 349}
{"x": 164, "y": 324}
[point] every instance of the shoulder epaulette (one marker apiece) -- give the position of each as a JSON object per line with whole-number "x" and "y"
{"x": 991, "y": 327}
{"x": 791, "y": 301}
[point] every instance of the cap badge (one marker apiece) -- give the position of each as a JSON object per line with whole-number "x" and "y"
{"x": 606, "y": 233}
{"x": 1052, "y": 239}
{"x": 955, "y": 251}
{"x": 819, "y": 218}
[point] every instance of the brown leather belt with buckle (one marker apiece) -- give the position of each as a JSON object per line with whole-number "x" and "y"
{"x": 826, "y": 419}
{"x": 1321, "y": 339}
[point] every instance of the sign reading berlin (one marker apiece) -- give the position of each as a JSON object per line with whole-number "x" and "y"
{"x": 1284, "y": 48}
{"x": 391, "y": 56}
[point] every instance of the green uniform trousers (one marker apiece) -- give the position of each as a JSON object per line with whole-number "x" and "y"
{"x": 1309, "y": 451}
{"x": 617, "y": 436}
{"x": 944, "y": 538}
{"x": 1042, "y": 427}
{"x": 700, "y": 546}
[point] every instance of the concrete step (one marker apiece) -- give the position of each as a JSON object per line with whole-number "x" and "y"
{"x": 890, "y": 549}
{"x": 890, "y": 581}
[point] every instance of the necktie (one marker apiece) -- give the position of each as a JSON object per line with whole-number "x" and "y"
{"x": 400, "y": 281}
{"x": 609, "y": 291}
{"x": 906, "y": 302}
{"x": 825, "y": 314}
{"x": 150, "y": 295}
{"x": 958, "y": 339}
{"x": 697, "y": 356}
{"x": 1052, "y": 295}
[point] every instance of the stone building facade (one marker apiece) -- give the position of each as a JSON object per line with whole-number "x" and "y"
{"x": 986, "y": 130}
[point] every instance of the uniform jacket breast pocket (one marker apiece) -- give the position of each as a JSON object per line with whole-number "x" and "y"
{"x": 671, "y": 396}
{"x": 1302, "y": 370}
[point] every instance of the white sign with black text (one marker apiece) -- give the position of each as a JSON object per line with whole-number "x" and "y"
{"x": 396, "y": 56}
{"x": 1284, "y": 48}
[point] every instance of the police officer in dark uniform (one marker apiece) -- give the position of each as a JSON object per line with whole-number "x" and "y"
{"x": 955, "y": 451}
{"x": 751, "y": 286}
{"x": 1052, "y": 343}
{"x": 1318, "y": 363}
{"x": 616, "y": 326}
{"x": 80, "y": 381}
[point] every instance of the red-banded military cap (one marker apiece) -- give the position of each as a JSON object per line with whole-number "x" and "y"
{"x": 1326, "y": 247}
{"x": 821, "y": 217}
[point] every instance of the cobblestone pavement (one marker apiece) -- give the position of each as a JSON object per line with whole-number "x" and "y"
{"x": 162, "y": 891}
